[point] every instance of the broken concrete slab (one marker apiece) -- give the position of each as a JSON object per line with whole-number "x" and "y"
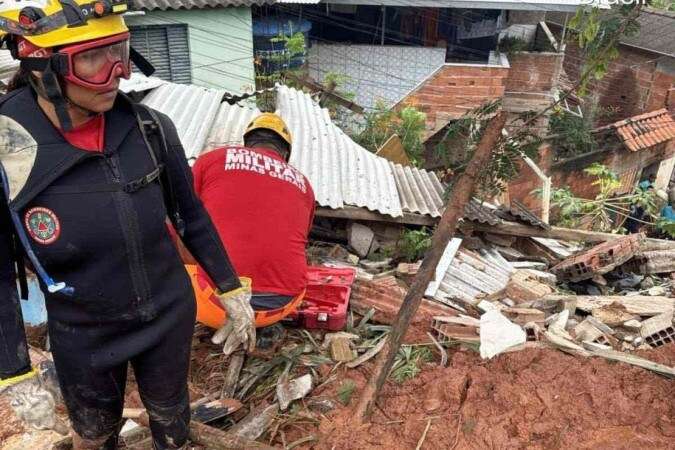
{"x": 375, "y": 266}
{"x": 360, "y": 238}
{"x": 652, "y": 262}
{"x": 657, "y": 291}
{"x": 634, "y": 325}
{"x": 290, "y": 390}
{"x": 255, "y": 423}
{"x": 521, "y": 316}
{"x": 543, "y": 277}
{"x": 661, "y": 369}
{"x": 600, "y": 259}
{"x": 586, "y": 331}
{"x": 592, "y": 330}
{"x": 523, "y": 286}
{"x": 537, "y": 265}
{"x": 497, "y": 334}
{"x": 463, "y": 328}
{"x": 613, "y": 314}
{"x": 638, "y": 304}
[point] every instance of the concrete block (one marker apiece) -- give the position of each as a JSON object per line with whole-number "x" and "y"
{"x": 600, "y": 259}
{"x": 360, "y": 238}
{"x": 658, "y": 330}
{"x": 523, "y": 287}
{"x": 522, "y": 316}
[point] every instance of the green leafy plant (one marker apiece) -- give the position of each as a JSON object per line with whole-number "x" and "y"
{"x": 345, "y": 391}
{"x": 607, "y": 211}
{"x": 513, "y": 44}
{"x": 572, "y": 134}
{"x": 666, "y": 5}
{"x": 665, "y": 226}
{"x": 598, "y": 33}
{"x": 414, "y": 244}
{"x": 381, "y": 123}
{"x": 409, "y": 361}
{"x": 507, "y": 153}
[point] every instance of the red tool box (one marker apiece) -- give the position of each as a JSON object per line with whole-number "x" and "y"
{"x": 326, "y": 299}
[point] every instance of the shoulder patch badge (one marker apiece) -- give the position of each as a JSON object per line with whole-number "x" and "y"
{"x": 42, "y": 225}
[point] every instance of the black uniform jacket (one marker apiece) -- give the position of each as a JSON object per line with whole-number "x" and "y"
{"x": 111, "y": 245}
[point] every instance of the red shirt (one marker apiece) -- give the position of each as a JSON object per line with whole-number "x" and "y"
{"x": 89, "y": 136}
{"x": 263, "y": 209}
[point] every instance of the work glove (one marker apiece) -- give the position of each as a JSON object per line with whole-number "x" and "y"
{"x": 239, "y": 330}
{"x": 31, "y": 402}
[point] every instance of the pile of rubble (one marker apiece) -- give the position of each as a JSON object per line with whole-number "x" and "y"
{"x": 504, "y": 293}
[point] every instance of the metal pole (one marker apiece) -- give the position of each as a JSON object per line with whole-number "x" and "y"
{"x": 384, "y": 23}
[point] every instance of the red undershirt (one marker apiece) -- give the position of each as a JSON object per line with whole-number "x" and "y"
{"x": 88, "y": 136}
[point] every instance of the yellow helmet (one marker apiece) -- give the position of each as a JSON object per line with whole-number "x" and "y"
{"x": 272, "y": 122}
{"x": 52, "y": 23}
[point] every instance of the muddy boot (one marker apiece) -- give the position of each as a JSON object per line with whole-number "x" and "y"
{"x": 104, "y": 443}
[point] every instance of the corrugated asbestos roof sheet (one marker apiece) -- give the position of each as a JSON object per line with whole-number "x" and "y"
{"x": 471, "y": 274}
{"x": 192, "y": 109}
{"x": 341, "y": 171}
{"x": 140, "y": 83}
{"x": 482, "y": 213}
{"x": 190, "y": 4}
{"x": 645, "y": 130}
{"x": 229, "y": 125}
{"x": 420, "y": 191}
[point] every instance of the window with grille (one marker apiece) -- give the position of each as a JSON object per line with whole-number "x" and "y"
{"x": 167, "y": 47}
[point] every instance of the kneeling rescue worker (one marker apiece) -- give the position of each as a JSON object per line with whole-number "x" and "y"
{"x": 89, "y": 179}
{"x": 263, "y": 209}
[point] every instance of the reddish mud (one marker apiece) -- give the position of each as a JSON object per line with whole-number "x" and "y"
{"x": 535, "y": 399}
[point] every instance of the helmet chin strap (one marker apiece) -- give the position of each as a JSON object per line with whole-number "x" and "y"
{"x": 51, "y": 90}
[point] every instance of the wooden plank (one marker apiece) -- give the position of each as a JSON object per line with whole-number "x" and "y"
{"x": 565, "y": 234}
{"x": 642, "y": 305}
{"x": 447, "y": 227}
{"x": 354, "y": 213}
{"x": 633, "y": 360}
{"x": 392, "y": 150}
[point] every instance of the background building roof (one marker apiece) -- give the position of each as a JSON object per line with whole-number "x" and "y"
{"x": 526, "y": 5}
{"x": 657, "y": 30}
{"x": 645, "y": 130}
{"x": 199, "y": 4}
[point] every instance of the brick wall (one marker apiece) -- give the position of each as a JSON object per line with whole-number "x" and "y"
{"x": 636, "y": 82}
{"x": 455, "y": 89}
{"x": 626, "y": 164}
{"x": 533, "y": 72}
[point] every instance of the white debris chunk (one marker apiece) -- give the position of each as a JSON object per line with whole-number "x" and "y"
{"x": 497, "y": 334}
{"x": 287, "y": 391}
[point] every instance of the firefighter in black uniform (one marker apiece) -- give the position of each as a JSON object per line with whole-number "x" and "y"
{"x": 92, "y": 222}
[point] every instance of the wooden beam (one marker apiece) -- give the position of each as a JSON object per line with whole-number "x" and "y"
{"x": 354, "y": 213}
{"x": 308, "y": 82}
{"x": 446, "y": 229}
{"x": 564, "y": 234}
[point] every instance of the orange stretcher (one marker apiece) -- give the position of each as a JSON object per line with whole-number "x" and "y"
{"x": 212, "y": 314}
